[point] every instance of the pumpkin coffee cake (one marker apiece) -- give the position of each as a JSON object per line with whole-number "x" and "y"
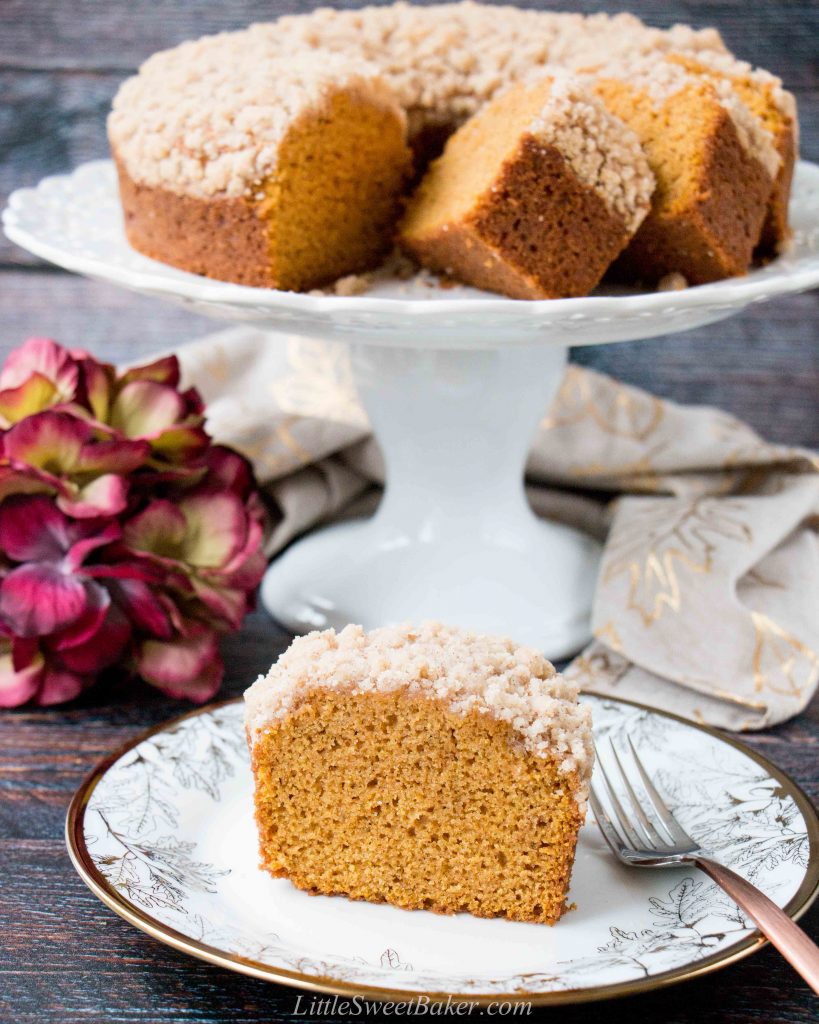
{"x": 429, "y": 767}
{"x": 281, "y": 155}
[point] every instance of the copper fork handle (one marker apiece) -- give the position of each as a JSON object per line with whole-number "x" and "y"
{"x": 799, "y": 950}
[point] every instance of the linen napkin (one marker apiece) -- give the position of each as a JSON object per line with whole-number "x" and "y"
{"x": 707, "y": 603}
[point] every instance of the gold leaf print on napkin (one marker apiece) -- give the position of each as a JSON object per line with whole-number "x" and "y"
{"x": 635, "y": 475}
{"x": 619, "y": 410}
{"x": 655, "y": 546}
{"x": 782, "y": 663}
{"x": 740, "y": 446}
{"x": 610, "y": 637}
{"x": 276, "y": 451}
{"x": 216, "y": 365}
{"x": 599, "y": 665}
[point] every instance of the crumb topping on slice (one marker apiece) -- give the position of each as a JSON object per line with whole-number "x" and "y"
{"x": 661, "y": 78}
{"x": 602, "y": 151}
{"x": 465, "y": 670}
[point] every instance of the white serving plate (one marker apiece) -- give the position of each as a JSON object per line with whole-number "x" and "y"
{"x": 162, "y": 832}
{"x": 75, "y": 221}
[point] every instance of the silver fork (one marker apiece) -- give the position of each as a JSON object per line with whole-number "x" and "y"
{"x": 651, "y": 837}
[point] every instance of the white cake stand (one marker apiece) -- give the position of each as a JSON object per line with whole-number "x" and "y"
{"x": 454, "y": 382}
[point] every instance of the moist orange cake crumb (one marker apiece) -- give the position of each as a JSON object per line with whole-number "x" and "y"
{"x": 775, "y": 108}
{"x": 429, "y": 767}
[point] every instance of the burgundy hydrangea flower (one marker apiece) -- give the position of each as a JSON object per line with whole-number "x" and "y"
{"x": 126, "y": 536}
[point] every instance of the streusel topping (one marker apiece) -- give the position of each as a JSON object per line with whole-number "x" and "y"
{"x": 604, "y": 153}
{"x": 467, "y": 671}
{"x": 208, "y": 117}
{"x": 661, "y": 79}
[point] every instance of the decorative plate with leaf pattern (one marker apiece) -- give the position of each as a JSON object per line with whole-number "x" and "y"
{"x": 163, "y": 833}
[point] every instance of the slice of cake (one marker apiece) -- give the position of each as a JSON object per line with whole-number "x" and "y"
{"x": 283, "y": 174}
{"x": 532, "y": 197}
{"x": 425, "y": 767}
{"x": 715, "y": 165}
{"x": 775, "y": 107}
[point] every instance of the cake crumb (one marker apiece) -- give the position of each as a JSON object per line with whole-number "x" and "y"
{"x": 353, "y": 284}
{"x": 674, "y": 282}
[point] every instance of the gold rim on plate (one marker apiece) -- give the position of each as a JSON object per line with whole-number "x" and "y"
{"x": 103, "y": 890}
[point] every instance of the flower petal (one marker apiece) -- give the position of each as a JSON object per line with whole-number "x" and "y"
{"x": 97, "y": 603}
{"x": 204, "y": 687}
{"x": 228, "y": 471}
{"x": 138, "y": 569}
{"x": 180, "y": 442}
{"x": 51, "y": 441}
{"x": 216, "y": 528}
{"x": 59, "y": 686}
{"x": 143, "y": 409}
{"x": 194, "y": 401}
{"x": 32, "y": 529}
{"x": 18, "y": 686}
{"x": 158, "y": 529}
{"x": 161, "y": 371}
{"x": 25, "y": 651}
{"x": 36, "y": 599}
{"x": 101, "y": 649}
{"x": 19, "y": 479}
{"x": 105, "y": 496}
{"x": 182, "y": 667}
{"x": 97, "y": 537}
{"x": 245, "y": 563}
{"x": 97, "y": 384}
{"x": 141, "y": 606}
{"x": 113, "y": 456}
{"x": 34, "y": 395}
{"x": 246, "y": 574}
{"x": 43, "y": 356}
{"x": 228, "y": 606}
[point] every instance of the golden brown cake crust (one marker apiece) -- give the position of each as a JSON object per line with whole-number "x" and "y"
{"x": 712, "y": 233}
{"x": 222, "y": 238}
{"x": 544, "y": 244}
{"x": 392, "y": 797}
{"x": 776, "y": 229}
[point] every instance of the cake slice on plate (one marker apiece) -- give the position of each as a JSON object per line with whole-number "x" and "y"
{"x": 534, "y": 196}
{"x": 425, "y": 767}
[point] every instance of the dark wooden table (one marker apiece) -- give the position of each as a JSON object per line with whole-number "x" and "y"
{"x": 63, "y": 957}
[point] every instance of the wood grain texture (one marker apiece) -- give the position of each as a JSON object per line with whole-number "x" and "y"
{"x": 64, "y": 958}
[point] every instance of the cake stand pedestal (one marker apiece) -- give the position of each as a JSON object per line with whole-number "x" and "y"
{"x": 454, "y": 537}
{"x": 454, "y": 382}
